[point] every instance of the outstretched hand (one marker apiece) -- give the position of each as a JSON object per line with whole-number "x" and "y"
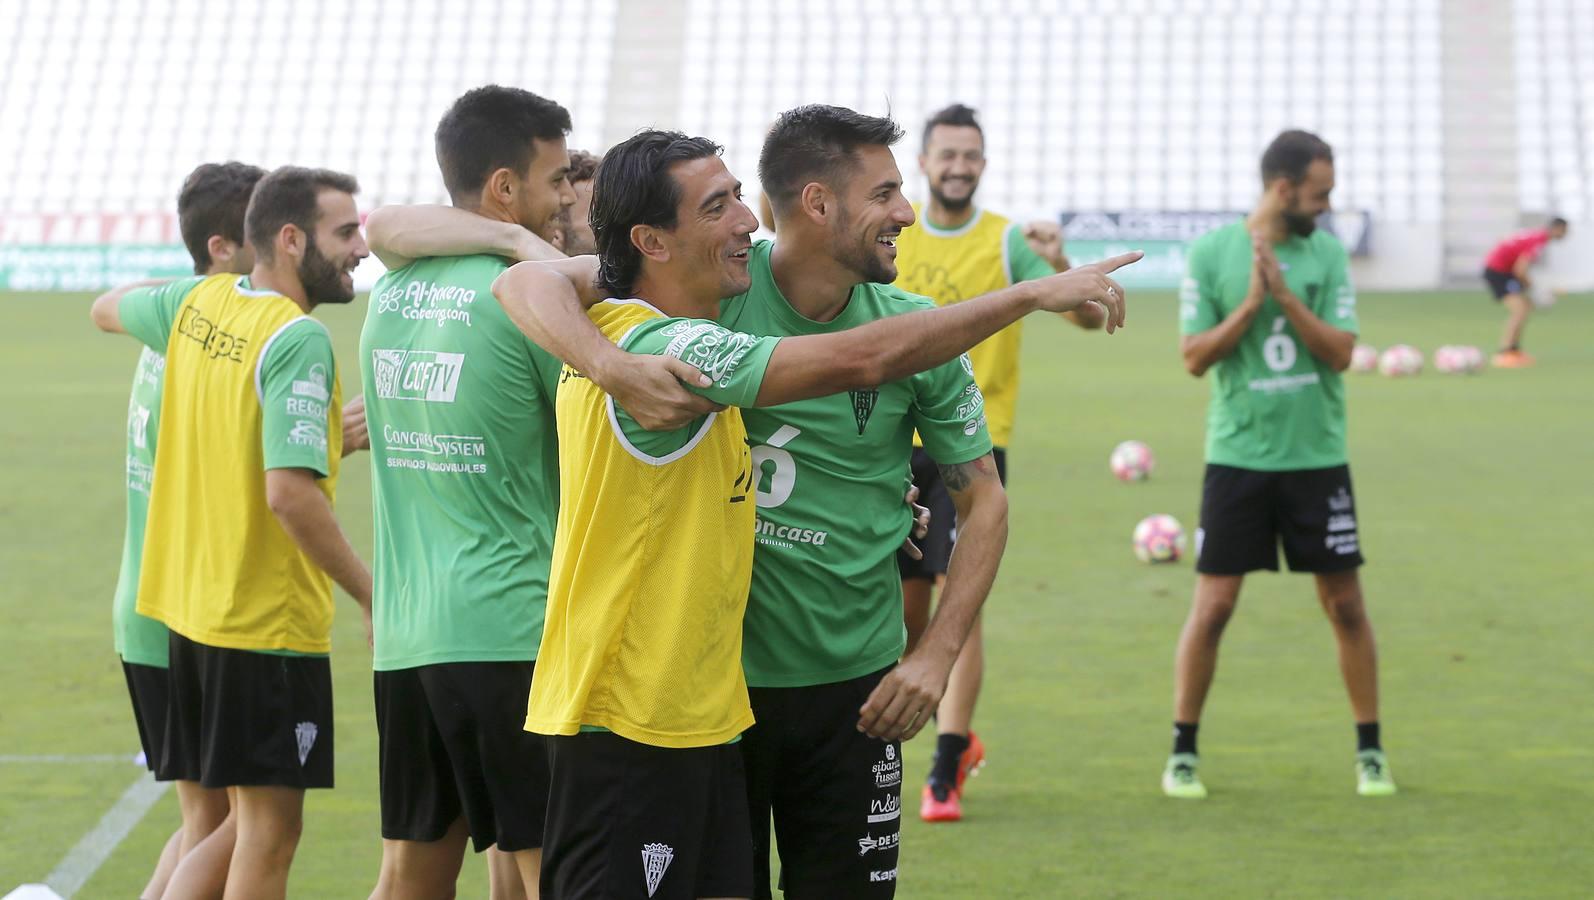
{"x": 1067, "y": 291}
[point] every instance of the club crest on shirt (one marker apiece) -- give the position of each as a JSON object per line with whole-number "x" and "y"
{"x": 863, "y": 407}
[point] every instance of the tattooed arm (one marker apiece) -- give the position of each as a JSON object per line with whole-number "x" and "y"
{"x": 905, "y": 699}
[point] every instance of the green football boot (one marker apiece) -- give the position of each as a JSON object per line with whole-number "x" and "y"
{"x": 1373, "y": 778}
{"x": 1180, "y": 780}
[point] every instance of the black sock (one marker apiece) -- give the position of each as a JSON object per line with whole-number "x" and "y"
{"x": 948, "y": 750}
{"x": 1367, "y": 736}
{"x": 1184, "y": 734}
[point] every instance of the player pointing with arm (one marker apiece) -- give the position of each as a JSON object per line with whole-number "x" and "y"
{"x": 1268, "y": 308}
{"x": 633, "y": 666}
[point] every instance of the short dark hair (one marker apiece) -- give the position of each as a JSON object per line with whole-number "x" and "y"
{"x": 1558, "y": 221}
{"x": 583, "y": 166}
{"x": 817, "y": 143}
{"x": 633, "y": 186}
{"x": 287, "y": 196}
{"x": 212, "y": 201}
{"x": 957, "y": 115}
{"x": 491, "y": 128}
{"x": 1291, "y": 154}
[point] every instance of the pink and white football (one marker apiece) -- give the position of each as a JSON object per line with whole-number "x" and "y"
{"x": 1364, "y": 358}
{"x": 1159, "y": 539}
{"x": 1132, "y": 461}
{"x": 1400, "y": 361}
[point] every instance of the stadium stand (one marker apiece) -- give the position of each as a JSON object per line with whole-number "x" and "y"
{"x": 136, "y": 94}
{"x": 1444, "y": 133}
{"x": 1157, "y": 105}
{"x": 1555, "y": 106}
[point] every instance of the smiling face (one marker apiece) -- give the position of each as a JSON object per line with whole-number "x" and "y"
{"x": 332, "y": 249}
{"x": 871, "y": 213}
{"x": 953, "y": 161}
{"x": 540, "y": 198}
{"x": 713, "y": 230}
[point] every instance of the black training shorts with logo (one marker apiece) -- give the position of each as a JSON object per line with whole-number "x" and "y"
{"x": 630, "y": 821}
{"x": 1246, "y": 514}
{"x": 937, "y": 544}
{"x": 147, "y": 686}
{"x": 835, "y": 794}
{"x": 238, "y": 718}
{"x": 452, "y": 742}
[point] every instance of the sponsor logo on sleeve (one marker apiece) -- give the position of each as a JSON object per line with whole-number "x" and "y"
{"x": 715, "y": 351}
{"x": 887, "y": 875}
{"x": 314, "y": 384}
{"x": 309, "y": 433}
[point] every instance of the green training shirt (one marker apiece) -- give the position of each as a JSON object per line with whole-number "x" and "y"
{"x": 464, "y": 468}
{"x": 826, "y": 598}
{"x": 140, "y": 639}
{"x": 1275, "y": 407}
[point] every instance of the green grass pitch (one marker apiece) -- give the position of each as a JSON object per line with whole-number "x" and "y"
{"x": 1474, "y": 494}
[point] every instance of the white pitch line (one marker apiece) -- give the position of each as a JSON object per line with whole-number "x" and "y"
{"x": 83, "y": 860}
{"x": 58, "y": 758}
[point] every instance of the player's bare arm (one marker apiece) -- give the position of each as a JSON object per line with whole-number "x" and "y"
{"x": 547, "y": 304}
{"x": 905, "y": 698}
{"x": 888, "y": 349}
{"x": 1202, "y": 351}
{"x": 399, "y": 235}
{"x": 306, "y": 515}
{"x": 1333, "y": 346}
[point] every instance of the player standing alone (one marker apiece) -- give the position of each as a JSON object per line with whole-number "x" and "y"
{"x": 955, "y": 252}
{"x": 1268, "y": 305}
{"x": 1505, "y": 270}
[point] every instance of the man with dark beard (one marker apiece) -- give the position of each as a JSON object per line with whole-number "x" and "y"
{"x": 1267, "y": 304}
{"x": 241, "y": 501}
{"x": 823, "y": 639}
{"x": 957, "y": 251}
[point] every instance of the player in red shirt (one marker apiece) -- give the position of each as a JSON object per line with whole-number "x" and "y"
{"x": 1506, "y": 271}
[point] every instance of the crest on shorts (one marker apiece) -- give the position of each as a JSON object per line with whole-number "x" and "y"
{"x": 304, "y": 733}
{"x": 863, "y": 406}
{"x": 655, "y": 859}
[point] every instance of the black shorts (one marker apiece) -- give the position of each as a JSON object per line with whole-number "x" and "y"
{"x": 1246, "y": 514}
{"x": 452, "y": 742}
{"x": 629, "y": 820}
{"x": 834, "y": 792}
{"x": 937, "y": 544}
{"x": 237, "y": 718}
{"x": 147, "y": 686}
{"x": 1501, "y": 283}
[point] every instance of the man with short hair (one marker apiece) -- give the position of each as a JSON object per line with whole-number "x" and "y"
{"x": 575, "y": 233}
{"x": 465, "y": 485}
{"x": 242, "y": 498}
{"x": 210, "y": 217}
{"x": 1267, "y": 303}
{"x": 835, "y": 162}
{"x": 956, "y": 251}
{"x": 1505, "y": 271}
